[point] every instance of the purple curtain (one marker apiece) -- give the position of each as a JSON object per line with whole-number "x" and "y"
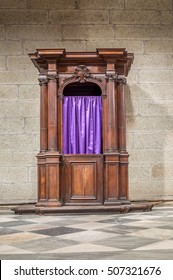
{"x": 82, "y": 124}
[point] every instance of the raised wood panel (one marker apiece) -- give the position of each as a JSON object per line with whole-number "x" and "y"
{"x": 42, "y": 181}
{"x": 111, "y": 181}
{"x": 83, "y": 179}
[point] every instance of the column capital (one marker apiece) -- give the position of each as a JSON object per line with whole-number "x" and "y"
{"x": 42, "y": 80}
{"x": 121, "y": 80}
{"x": 111, "y": 76}
{"x": 52, "y": 77}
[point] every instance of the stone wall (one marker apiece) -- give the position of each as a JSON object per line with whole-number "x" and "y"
{"x": 142, "y": 27}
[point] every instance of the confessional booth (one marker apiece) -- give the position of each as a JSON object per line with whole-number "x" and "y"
{"x": 83, "y": 159}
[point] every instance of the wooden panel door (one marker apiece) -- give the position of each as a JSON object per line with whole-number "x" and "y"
{"x": 82, "y": 179}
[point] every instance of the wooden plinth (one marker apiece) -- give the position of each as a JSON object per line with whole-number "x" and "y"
{"x": 28, "y": 209}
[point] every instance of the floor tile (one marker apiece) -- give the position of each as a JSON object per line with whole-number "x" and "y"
{"x": 125, "y": 242}
{"x": 55, "y": 231}
{"x": 91, "y": 225}
{"x": 164, "y": 244}
{"x": 156, "y": 233}
{"x": 46, "y": 244}
{"x": 85, "y": 247}
{"x": 88, "y": 236}
{"x": 19, "y": 237}
{"x": 5, "y": 249}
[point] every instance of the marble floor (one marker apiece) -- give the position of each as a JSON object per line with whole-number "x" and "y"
{"x": 137, "y": 235}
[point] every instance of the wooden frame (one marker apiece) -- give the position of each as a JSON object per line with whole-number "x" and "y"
{"x": 104, "y": 177}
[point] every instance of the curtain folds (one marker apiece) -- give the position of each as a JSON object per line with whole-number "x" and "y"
{"x": 82, "y": 124}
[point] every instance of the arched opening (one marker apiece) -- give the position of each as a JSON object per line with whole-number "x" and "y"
{"x": 82, "y": 118}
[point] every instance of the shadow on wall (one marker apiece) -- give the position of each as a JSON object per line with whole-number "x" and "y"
{"x": 149, "y": 142}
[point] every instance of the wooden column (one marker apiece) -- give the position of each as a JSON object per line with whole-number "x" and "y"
{"x": 52, "y": 107}
{"x": 49, "y": 157}
{"x": 123, "y": 166}
{"x": 43, "y": 113}
{"x": 111, "y": 153}
{"x": 43, "y": 140}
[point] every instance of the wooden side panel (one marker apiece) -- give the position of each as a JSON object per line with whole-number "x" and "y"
{"x": 41, "y": 178}
{"x": 82, "y": 179}
{"x": 111, "y": 183}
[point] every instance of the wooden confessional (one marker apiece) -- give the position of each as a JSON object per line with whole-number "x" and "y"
{"x": 82, "y": 179}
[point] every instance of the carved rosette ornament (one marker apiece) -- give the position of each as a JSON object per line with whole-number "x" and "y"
{"x": 82, "y": 73}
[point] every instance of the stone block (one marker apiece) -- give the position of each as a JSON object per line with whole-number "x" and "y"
{"x": 29, "y": 92}
{"x": 32, "y": 174}
{"x": 101, "y": 4}
{"x": 11, "y": 125}
{"x": 10, "y": 47}
{"x": 166, "y": 17}
{"x": 153, "y": 61}
{"x": 79, "y": 17}
{"x": 24, "y": 159}
{"x": 8, "y": 92}
{"x": 23, "y": 17}
{"x": 149, "y": 123}
{"x": 150, "y": 190}
{"x": 13, "y": 174}
{"x": 162, "y": 171}
{"x": 36, "y": 32}
{"x": 155, "y": 107}
{"x": 30, "y": 109}
{"x": 6, "y": 158}
{"x": 88, "y": 32}
{"x": 2, "y": 62}
{"x": 2, "y": 32}
{"x": 133, "y": 17}
{"x": 156, "y": 76}
{"x": 19, "y": 77}
{"x": 14, "y": 191}
{"x": 52, "y": 4}
{"x": 149, "y": 140}
{"x": 19, "y": 62}
{"x": 131, "y": 107}
{"x": 133, "y": 46}
{"x": 139, "y": 171}
{"x": 18, "y": 142}
{"x": 129, "y": 141}
{"x": 148, "y": 4}
{"x": 150, "y": 91}
{"x": 37, "y": 142}
{"x": 13, "y": 4}
{"x": 132, "y": 77}
{"x": 77, "y": 45}
{"x": 158, "y": 47}
{"x": 19, "y": 109}
{"x": 32, "y": 125}
{"x": 146, "y": 154}
{"x": 143, "y": 31}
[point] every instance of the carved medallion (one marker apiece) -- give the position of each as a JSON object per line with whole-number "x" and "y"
{"x": 82, "y": 73}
